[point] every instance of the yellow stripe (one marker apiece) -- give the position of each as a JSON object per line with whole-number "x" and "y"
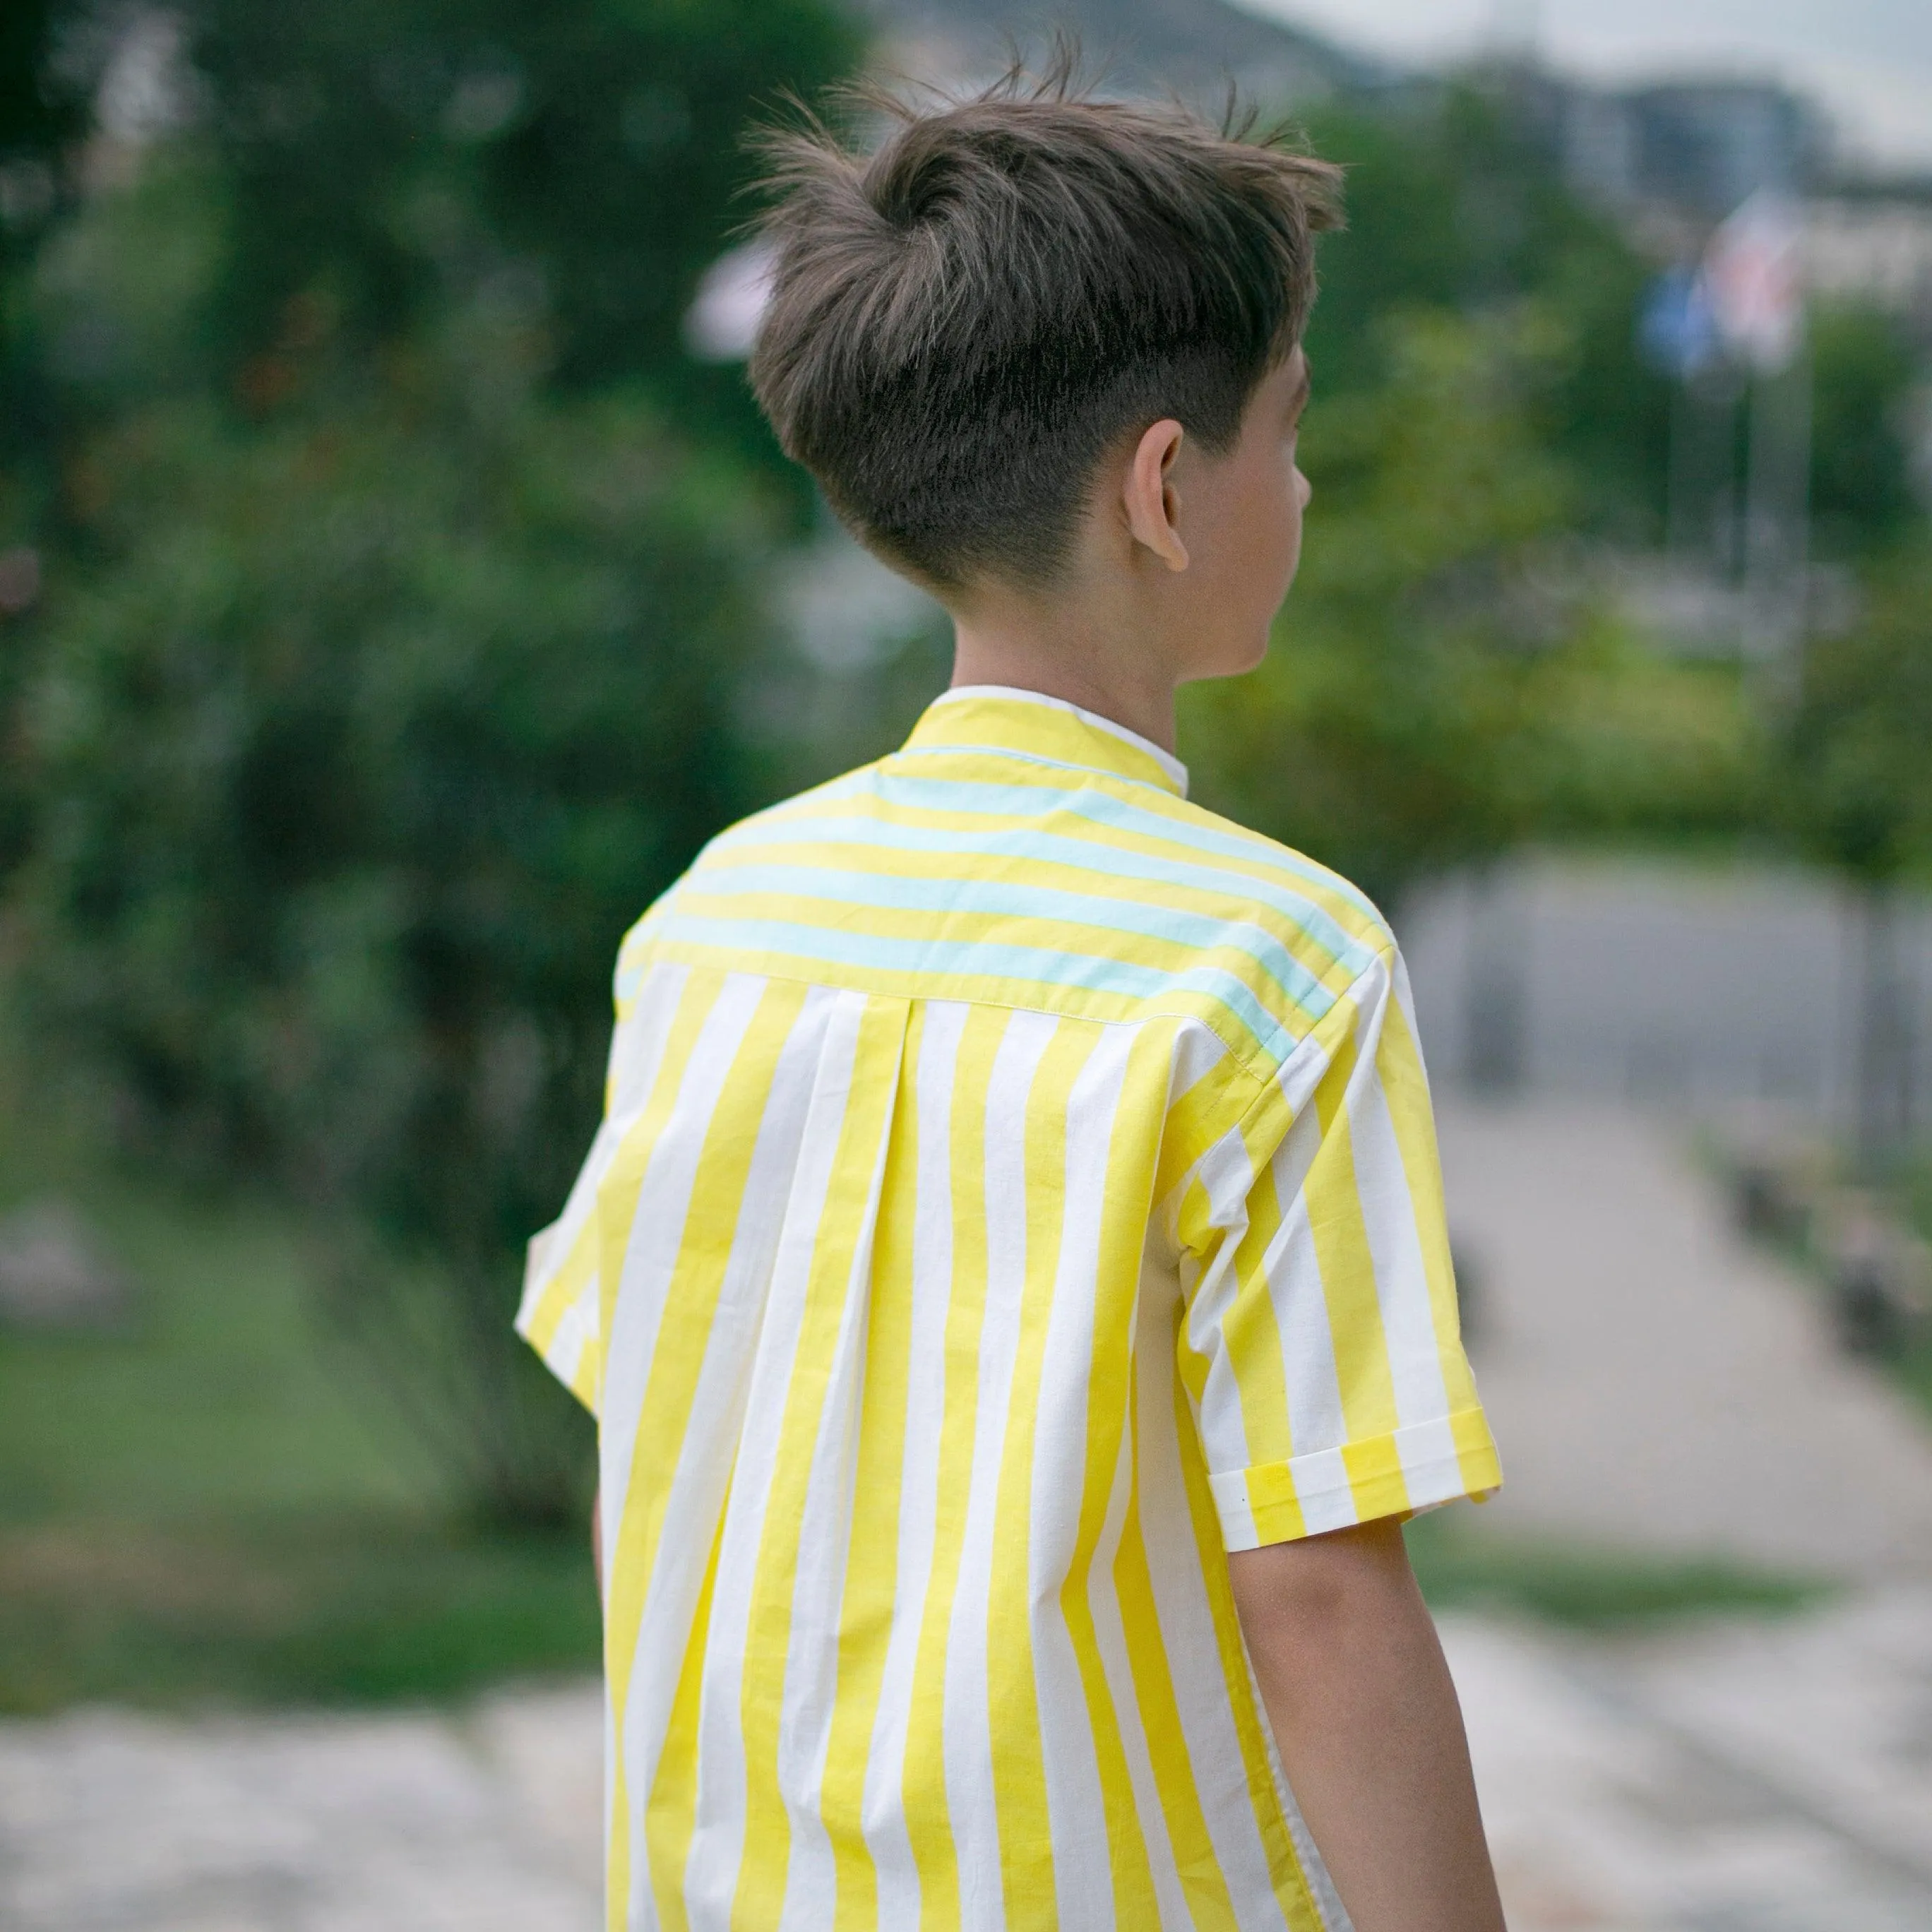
{"x": 1342, "y": 1254}
{"x": 1019, "y": 1765}
{"x": 871, "y": 1576}
{"x": 933, "y": 1852}
{"x": 1375, "y": 1479}
{"x": 1290, "y": 1882}
{"x": 759, "y": 1898}
{"x": 1264, "y": 867}
{"x": 568, "y": 1282}
{"x": 1210, "y": 1905}
{"x": 1399, "y": 1065}
{"x": 1251, "y": 1330}
{"x": 670, "y": 1816}
{"x": 1125, "y": 1196}
{"x": 684, "y": 1332}
{"x": 619, "y": 1189}
{"x": 1476, "y": 1458}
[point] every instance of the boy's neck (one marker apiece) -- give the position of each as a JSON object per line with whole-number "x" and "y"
{"x": 1071, "y": 662}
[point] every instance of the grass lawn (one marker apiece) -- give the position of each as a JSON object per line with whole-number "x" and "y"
{"x": 1462, "y": 1566}
{"x": 213, "y": 1507}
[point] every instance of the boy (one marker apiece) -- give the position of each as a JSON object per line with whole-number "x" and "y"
{"x": 1018, "y": 1188}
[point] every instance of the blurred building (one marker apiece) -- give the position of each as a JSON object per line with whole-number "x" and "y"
{"x": 1699, "y": 146}
{"x": 1192, "y": 46}
{"x": 1872, "y": 242}
{"x": 1673, "y": 158}
{"x": 1671, "y": 983}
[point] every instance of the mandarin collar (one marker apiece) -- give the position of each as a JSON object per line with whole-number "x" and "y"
{"x": 1029, "y": 724}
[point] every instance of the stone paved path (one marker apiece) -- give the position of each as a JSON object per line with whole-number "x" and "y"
{"x": 486, "y": 1822}
{"x": 1746, "y": 1777}
{"x": 1654, "y": 1381}
{"x": 1771, "y": 1776}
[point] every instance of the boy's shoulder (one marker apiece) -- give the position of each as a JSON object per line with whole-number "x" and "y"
{"x": 1202, "y": 908}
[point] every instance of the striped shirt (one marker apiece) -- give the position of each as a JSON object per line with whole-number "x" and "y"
{"x": 1017, "y": 1186}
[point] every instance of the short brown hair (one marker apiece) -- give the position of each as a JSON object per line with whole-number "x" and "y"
{"x": 965, "y": 319}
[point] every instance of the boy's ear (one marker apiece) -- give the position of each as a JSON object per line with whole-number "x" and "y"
{"x": 1149, "y": 497}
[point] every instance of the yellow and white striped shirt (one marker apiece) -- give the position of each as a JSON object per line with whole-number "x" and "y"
{"x": 1017, "y": 1186}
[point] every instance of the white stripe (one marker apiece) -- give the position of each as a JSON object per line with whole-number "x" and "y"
{"x": 1309, "y": 1372}
{"x": 1405, "y": 998}
{"x": 1198, "y": 1050}
{"x": 1211, "y": 1300}
{"x": 637, "y": 1046}
{"x": 575, "y": 1330}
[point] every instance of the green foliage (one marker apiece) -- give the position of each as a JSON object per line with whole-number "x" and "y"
{"x": 1439, "y": 689}
{"x": 118, "y": 297}
{"x": 400, "y": 602}
{"x": 1457, "y": 203}
{"x": 1460, "y": 1566}
{"x": 42, "y": 112}
{"x": 1864, "y": 376}
{"x": 348, "y": 774}
{"x": 39, "y": 107}
{"x": 357, "y": 1609}
{"x": 1855, "y": 784}
{"x": 580, "y": 160}
{"x": 219, "y": 1502}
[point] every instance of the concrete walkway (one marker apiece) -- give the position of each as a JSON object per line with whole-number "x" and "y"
{"x": 1746, "y": 1777}
{"x": 488, "y": 1822}
{"x": 1655, "y": 1382}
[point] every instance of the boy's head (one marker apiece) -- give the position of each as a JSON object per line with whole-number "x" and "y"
{"x": 968, "y": 322}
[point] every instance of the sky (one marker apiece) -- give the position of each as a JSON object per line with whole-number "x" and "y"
{"x": 1868, "y": 62}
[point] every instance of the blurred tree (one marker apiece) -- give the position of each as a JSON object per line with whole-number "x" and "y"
{"x": 42, "y": 115}
{"x": 579, "y": 161}
{"x": 393, "y": 646}
{"x": 349, "y": 774}
{"x": 1856, "y": 792}
{"x": 1444, "y": 684}
{"x": 1864, "y": 377}
{"x": 43, "y": 112}
{"x": 1457, "y": 201}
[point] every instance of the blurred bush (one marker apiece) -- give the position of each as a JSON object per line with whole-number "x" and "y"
{"x": 346, "y": 776}
{"x": 1457, "y": 207}
{"x": 404, "y": 577}
{"x": 1447, "y": 680}
{"x": 1853, "y": 789}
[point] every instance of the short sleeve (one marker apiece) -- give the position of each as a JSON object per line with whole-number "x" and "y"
{"x": 561, "y": 1313}
{"x": 1320, "y": 1342}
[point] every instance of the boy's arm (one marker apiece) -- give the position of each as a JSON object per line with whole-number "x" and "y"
{"x": 1370, "y": 1734}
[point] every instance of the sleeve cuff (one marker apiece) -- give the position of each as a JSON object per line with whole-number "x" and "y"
{"x": 558, "y": 1315}
{"x": 1396, "y": 1474}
